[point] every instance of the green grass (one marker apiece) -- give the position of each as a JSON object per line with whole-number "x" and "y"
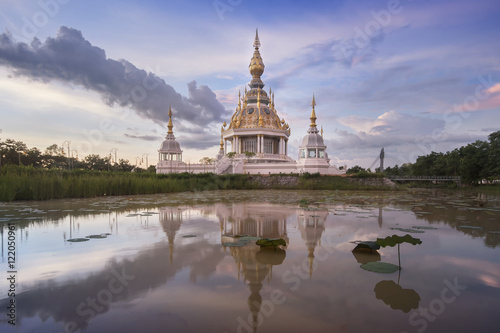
{"x": 29, "y": 183}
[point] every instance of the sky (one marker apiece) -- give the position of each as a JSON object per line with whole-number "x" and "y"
{"x": 411, "y": 76}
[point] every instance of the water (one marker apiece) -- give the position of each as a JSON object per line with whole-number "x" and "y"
{"x": 160, "y": 265}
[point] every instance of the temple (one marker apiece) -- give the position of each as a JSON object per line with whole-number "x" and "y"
{"x": 255, "y": 140}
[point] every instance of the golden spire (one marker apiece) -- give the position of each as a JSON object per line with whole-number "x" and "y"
{"x": 170, "y": 125}
{"x": 256, "y": 64}
{"x": 221, "y": 143}
{"x": 273, "y": 99}
{"x": 321, "y": 130}
{"x": 256, "y": 43}
{"x": 313, "y": 114}
{"x": 239, "y": 100}
{"x": 261, "y": 123}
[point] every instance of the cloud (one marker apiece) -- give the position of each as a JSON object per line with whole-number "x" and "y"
{"x": 403, "y": 136}
{"x": 346, "y": 53}
{"x": 70, "y": 58}
{"x": 143, "y": 137}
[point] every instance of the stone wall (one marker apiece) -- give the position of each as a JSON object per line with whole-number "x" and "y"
{"x": 291, "y": 181}
{"x": 275, "y": 180}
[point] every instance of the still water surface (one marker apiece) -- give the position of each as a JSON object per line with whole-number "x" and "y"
{"x": 161, "y": 265}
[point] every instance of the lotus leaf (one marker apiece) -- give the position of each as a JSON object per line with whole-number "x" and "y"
{"x": 97, "y": 236}
{"x": 77, "y": 240}
{"x": 380, "y": 267}
{"x": 395, "y": 240}
{"x": 367, "y": 245}
{"x": 268, "y": 242}
{"x": 414, "y": 231}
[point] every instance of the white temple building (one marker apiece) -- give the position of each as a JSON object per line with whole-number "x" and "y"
{"x": 256, "y": 139}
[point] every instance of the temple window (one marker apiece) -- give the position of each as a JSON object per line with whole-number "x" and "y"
{"x": 250, "y": 145}
{"x": 321, "y": 153}
{"x": 268, "y": 146}
{"x": 311, "y": 153}
{"x": 302, "y": 153}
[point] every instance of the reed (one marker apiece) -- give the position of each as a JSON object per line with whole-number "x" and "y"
{"x": 29, "y": 183}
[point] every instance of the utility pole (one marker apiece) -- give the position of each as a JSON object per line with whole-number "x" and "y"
{"x": 113, "y": 150}
{"x": 146, "y": 159}
{"x": 75, "y": 152}
{"x": 67, "y": 142}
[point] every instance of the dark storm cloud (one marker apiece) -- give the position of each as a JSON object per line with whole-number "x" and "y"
{"x": 70, "y": 58}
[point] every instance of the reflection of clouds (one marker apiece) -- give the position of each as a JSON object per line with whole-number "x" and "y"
{"x": 150, "y": 269}
{"x": 486, "y": 272}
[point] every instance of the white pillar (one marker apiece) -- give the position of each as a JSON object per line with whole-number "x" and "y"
{"x": 225, "y": 146}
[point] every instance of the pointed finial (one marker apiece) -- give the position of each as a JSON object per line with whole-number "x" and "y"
{"x": 170, "y": 125}
{"x": 239, "y": 100}
{"x": 273, "y": 99}
{"x": 313, "y": 114}
{"x": 258, "y": 98}
{"x": 221, "y": 143}
{"x": 256, "y": 43}
{"x": 321, "y": 130}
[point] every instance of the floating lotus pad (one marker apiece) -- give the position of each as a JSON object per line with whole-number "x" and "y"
{"x": 371, "y": 245}
{"x": 380, "y": 267}
{"x": 424, "y": 227}
{"x": 409, "y": 230}
{"x": 469, "y": 227}
{"x": 241, "y": 240}
{"x": 188, "y": 236}
{"x": 98, "y": 236}
{"x": 78, "y": 240}
{"x": 268, "y": 242}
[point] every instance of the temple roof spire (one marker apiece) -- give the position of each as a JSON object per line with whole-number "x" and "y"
{"x": 256, "y": 43}
{"x": 170, "y": 125}
{"x": 256, "y": 64}
{"x": 313, "y": 113}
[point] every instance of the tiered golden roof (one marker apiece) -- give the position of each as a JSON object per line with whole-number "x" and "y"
{"x": 256, "y": 108}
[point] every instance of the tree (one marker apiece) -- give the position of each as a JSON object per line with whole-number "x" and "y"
{"x": 124, "y": 165}
{"x": 473, "y": 160}
{"x": 493, "y": 163}
{"x": 355, "y": 169}
{"x": 95, "y": 162}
